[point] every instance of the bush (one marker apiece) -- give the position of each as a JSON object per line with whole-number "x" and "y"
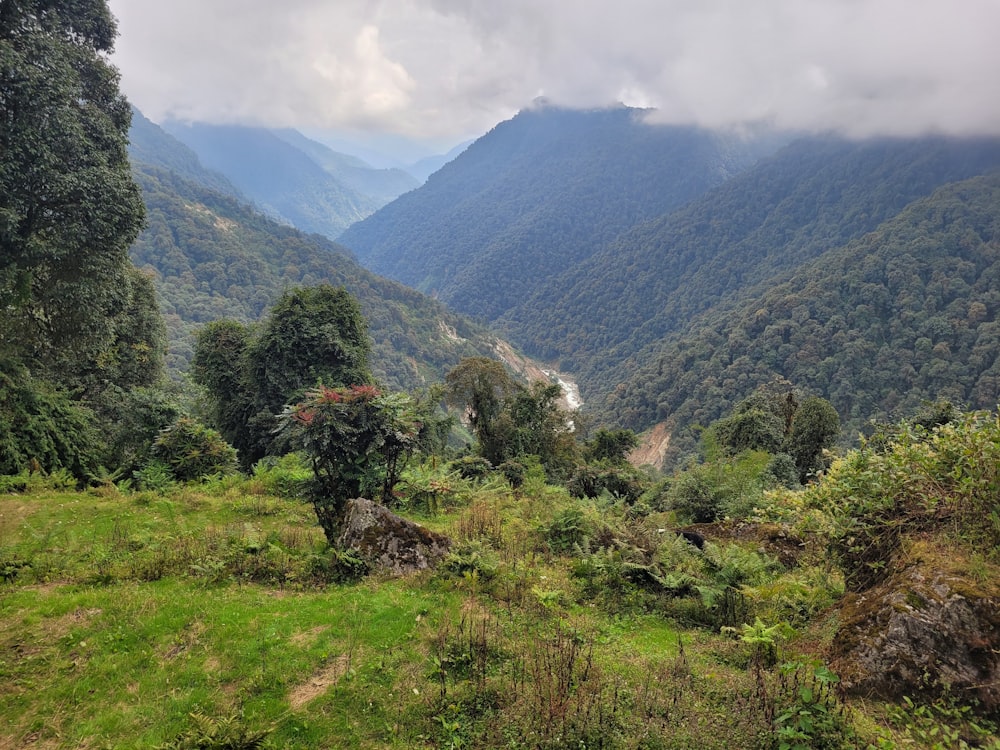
{"x": 694, "y": 498}
{"x": 472, "y": 467}
{"x": 193, "y": 451}
{"x": 288, "y": 476}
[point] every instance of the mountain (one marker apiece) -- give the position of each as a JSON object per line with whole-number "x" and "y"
{"x": 813, "y": 196}
{"x": 537, "y": 194}
{"x": 427, "y": 166}
{"x": 213, "y": 256}
{"x": 905, "y": 314}
{"x": 292, "y": 179}
{"x": 381, "y": 184}
{"x": 149, "y": 144}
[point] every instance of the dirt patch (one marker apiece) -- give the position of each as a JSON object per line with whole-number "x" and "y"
{"x": 652, "y": 450}
{"x": 316, "y": 685}
{"x": 308, "y": 637}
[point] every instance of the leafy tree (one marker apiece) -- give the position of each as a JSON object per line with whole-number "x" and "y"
{"x": 69, "y": 209}
{"x": 357, "y": 439}
{"x": 510, "y": 420}
{"x": 481, "y": 386}
{"x": 42, "y": 427}
{"x": 193, "y": 451}
{"x": 79, "y": 325}
{"x": 611, "y": 445}
{"x": 312, "y": 335}
{"x": 814, "y": 429}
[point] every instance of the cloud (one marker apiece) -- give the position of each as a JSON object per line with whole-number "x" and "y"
{"x": 455, "y": 67}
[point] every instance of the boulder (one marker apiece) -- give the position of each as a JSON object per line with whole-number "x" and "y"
{"x": 387, "y": 542}
{"x": 926, "y": 629}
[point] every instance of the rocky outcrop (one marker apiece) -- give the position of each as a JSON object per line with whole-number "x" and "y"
{"x": 925, "y": 629}
{"x": 387, "y": 542}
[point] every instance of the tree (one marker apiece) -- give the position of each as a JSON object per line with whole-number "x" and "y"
{"x": 814, "y": 428}
{"x": 80, "y": 329}
{"x": 69, "y": 209}
{"x": 481, "y": 386}
{"x": 510, "y": 420}
{"x": 357, "y": 439}
{"x": 311, "y": 335}
{"x": 611, "y": 445}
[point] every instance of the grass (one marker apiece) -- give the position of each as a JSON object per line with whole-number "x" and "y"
{"x": 123, "y": 617}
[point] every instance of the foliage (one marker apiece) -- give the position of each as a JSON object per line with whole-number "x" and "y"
{"x": 311, "y": 335}
{"x": 42, "y": 427}
{"x": 610, "y": 445}
{"x": 358, "y": 440}
{"x": 945, "y": 477}
{"x": 874, "y": 323}
{"x": 288, "y": 476}
{"x": 79, "y": 325}
{"x": 573, "y": 180}
{"x": 510, "y": 420}
{"x": 193, "y": 451}
{"x": 69, "y": 208}
{"x": 212, "y": 257}
{"x": 226, "y": 733}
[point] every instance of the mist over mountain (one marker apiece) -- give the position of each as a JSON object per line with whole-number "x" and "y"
{"x": 293, "y": 179}
{"x": 536, "y": 195}
{"x": 629, "y": 256}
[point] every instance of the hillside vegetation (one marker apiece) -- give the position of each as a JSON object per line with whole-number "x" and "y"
{"x": 292, "y": 178}
{"x": 903, "y": 315}
{"x": 215, "y": 615}
{"x": 213, "y": 257}
{"x": 536, "y": 195}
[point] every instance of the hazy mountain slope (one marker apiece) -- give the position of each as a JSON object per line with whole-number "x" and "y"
{"x": 906, "y": 313}
{"x": 381, "y": 184}
{"x": 537, "y": 194}
{"x": 427, "y": 166}
{"x": 213, "y": 257}
{"x": 150, "y": 144}
{"x": 281, "y": 179}
{"x": 811, "y": 197}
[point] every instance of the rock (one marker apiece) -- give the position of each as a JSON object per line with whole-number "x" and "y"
{"x": 921, "y": 631}
{"x": 387, "y": 542}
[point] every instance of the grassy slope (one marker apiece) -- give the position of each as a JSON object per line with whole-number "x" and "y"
{"x": 141, "y": 609}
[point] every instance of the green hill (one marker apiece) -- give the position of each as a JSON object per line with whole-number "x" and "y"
{"x": 904, "y": 314}
{"x": 213, "y": 257}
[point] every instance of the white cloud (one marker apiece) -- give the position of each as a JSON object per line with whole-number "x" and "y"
{"x": 455, "y": 67}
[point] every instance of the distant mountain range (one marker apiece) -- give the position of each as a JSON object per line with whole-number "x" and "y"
{"x": 213, "y": 255}
{"x": 645, "y": 261}
{"x": 537, "y": 195}
{"x": 670, "y": 270}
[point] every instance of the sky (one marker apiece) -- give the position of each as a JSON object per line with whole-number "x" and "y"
{"x": 442, "y": 71}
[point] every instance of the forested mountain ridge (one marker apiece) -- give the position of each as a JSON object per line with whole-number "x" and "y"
{"x": 813, "y": 196}
{"x": 289, "y": 177}
{"x": 212, "y": 257}
{"x": 537, "y": 194}
{"x": 904, "y": 314}
{"x": 150, "y": 144}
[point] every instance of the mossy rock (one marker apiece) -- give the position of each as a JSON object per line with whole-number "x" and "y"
{"x": 387, "y": 542}
{"x": 928, "y": 628}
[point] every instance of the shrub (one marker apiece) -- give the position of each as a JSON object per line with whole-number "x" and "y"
{"x": 192, "y": 451}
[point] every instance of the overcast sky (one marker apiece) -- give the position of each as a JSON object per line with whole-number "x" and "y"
{"x": 445, "y": 70}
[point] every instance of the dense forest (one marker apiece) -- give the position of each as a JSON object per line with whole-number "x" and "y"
{"x": 536, "y": 195}
{"x": 345, "y": 524}
{"x": 903, "y": 315}
{"x": 214, "y": 257}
